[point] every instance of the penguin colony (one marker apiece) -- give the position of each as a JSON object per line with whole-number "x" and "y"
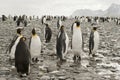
{"x": 25, "y": 55}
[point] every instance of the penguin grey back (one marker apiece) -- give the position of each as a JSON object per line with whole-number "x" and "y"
{"x": 48, "y": 33}
{"x": 91, "y": 42}
{"x": 60, "y": 45}
{"x": 22, "y": 57}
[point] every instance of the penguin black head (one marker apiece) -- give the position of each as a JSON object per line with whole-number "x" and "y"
{"x": 46, "y": 25}
{"x": 22, "y": 39}
{"x": 62, "y": 28}
{"x": 33, "y": 31}
{"x": 94, "y": 28}
{"x": 19, "y": 29}
{"x": 77, "y": 23}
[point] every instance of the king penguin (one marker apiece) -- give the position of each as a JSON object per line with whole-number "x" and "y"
{"x": 22, "y": 58}
{"x": 48, "y": 33}
{"x": 35, "y": 46}
{"x": 43, "y": 20}
{"x": 14, "y": 42}
{"x": 62, "y": 44}
{"x": 77, "y": 41}
{"x": 93, "y": 41}
{"x": 59, "y": 23}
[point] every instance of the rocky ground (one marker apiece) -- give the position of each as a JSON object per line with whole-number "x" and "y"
{"x": 104, "y": 66}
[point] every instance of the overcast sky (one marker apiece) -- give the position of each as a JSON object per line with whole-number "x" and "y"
{"x": 51, "y": 7}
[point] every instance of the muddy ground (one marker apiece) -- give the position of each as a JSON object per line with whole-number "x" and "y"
{"x": 104, "y": 66}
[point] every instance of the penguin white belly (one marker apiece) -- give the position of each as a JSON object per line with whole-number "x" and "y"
{"x": 97, "y": 21}
{"x": 44, "y": 20}
{"x": 81, "y": 20}
{"x": 96, "y": 41}
{"x": 77, "y": 41}
{"x": 35, "y": 47}
{"x": 119, "y": 22}
{"x": 66, "y": 42}
{"x": 60, "y": 23}
{"x": 13, "y": 49}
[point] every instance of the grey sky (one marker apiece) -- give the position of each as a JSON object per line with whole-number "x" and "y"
{"x": 51, "y": 7}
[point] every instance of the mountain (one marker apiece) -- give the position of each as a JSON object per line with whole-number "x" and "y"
{"x": 113, "y": 10}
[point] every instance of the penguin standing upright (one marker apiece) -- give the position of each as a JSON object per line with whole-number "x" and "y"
{"x": 59, "y": 23}
{"x": 35, "y": 46}
{"x": 62, "y": 44}
{"x": 43, "y": 20}
{"x": 118, "y": 22}
{"x": 22, "y": 58}
{"x": 4, "y": 18}
{"x": 77, "y": 41}
{"x": 93, "y": 41}
{"x": 19, "y": 20}
{"x": 13, "y": 44}
{"x": 48, "y": 33}
{"x": 25, "y": 23}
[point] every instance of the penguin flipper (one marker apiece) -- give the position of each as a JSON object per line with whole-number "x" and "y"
{"x": 30, "y": 42}
{"x": 72, "y": 29}
{"x": 71, "y": 43}
{"x": 82, "y": 43}
{"x": 11, "y": 44}
{"x": 64, "y": 46}
{"x": 91, "y": 42}
{"x": 71, "y": 34}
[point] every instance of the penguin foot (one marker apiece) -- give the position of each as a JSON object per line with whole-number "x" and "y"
{"x": 35, "y": 60}
{"x": 32, "y": 60}
{"x": 93, "y": 55}
{"x": 47, "y": 41}
{"x": 63, "y": 60}
{"x": 27, "y": 73}
{"x": 23, "y": 75}
{"x": 77, "y": 59}
{"x": 59, "y": 63}
{"x": 77, "y": 62}
{"x": 11, "y": 59}
{"x": 41, "y": 51}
